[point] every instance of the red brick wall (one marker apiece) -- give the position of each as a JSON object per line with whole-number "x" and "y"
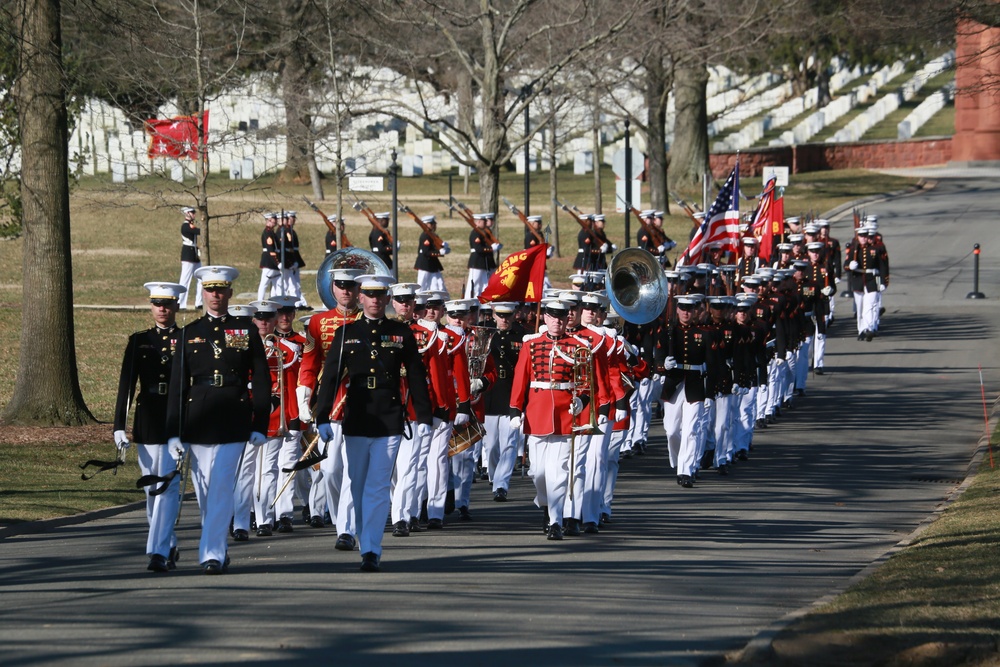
{"x": 820, "y": 157}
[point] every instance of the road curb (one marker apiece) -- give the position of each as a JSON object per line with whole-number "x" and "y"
{"x": 43, "y": 525}
{"x": 922, "y": 185}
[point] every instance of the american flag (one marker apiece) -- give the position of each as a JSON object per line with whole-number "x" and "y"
{"x": 721, "y": 224}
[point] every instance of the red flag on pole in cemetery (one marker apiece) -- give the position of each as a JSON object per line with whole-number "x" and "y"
{"x": 177, "y": 137}
{"x": 721, "y": 224}
{"x": 519, "y": 278}
{"x": 763, "y": 216}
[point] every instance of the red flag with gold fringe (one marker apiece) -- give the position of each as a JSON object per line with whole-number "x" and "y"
{"x": 519, "y": 278}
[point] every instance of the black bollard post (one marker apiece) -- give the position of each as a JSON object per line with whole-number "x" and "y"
{"x": 393, "y": 168}
{"x": 975, "y": 293}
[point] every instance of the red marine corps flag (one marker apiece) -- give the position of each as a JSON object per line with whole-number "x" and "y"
{"x": 176, "y": 137}
{"x": 519, "y": 278}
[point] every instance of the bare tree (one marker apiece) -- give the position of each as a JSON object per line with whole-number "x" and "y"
{"x": 47, "y": 388}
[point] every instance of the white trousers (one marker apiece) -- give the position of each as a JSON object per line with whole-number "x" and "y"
{"x": 290, "y": 452}
{"x": 866, "y": 304}
{"x": 161, "y": 510}
{"x": 579, "y": 453}
{"x": 270, "y": 283}
{"x": 680, "y": 422}
{"x": 722, "y": 427}
{"x": 438, "y": 469}
{"x": 463, "y": 470}
{"x": 405, "y": 494}
{"x": 803, "y": 357}
{"x": 819, "y": 349}
{"x": 255, "y": 484}
{"x": 187, "y": 273}
{"x": 744, "y": 422}
{"x": 596, "y": 474}
{"x": 369, "y": 469}
{"x": 617, "y": 440}
{"x": 550, "y": 472}
{"x": 641, "y": 406}
{"x": 499, "y": 450}
{"x": 335, "y": 468}
{"x": 431, "y": 280}
{"x": 474, "y": 286}
{"x": 292, "y": 285}
{"x": 213, "y": 475}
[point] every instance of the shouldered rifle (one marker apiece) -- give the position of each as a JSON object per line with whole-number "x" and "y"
{"x": 687, "y": 209}
{"x": 657, "y": 237}
{"x": 362, "y": 207}
{"x": 466, "y": 213}
{"x": 333, "y": 228}
{"x": 523, "y": 218}
{"x": 586, "y": 227}
{"x": 435, "y": 239}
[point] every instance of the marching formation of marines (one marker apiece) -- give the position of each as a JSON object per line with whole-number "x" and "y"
{"x": 367, "y": 420}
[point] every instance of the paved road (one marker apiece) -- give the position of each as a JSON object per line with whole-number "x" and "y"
{"x": 681, "y": 577}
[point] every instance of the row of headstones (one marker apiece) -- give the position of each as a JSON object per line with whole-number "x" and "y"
{"x": 924, "y": 111}
{"x": 756, "y": 100}
{"x": 877, "y": 112}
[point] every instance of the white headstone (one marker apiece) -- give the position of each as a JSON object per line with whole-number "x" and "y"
{"x": 117, "y": 172}
{"x": 583, "y": 162}
{"x": 235, "y": 170}
{"x": 177, "y": 172}
{"x": 247, "y": 170}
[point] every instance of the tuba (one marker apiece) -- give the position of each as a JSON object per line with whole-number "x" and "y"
{"x": 346, "y": 258}
{"x": 637, "y": 286}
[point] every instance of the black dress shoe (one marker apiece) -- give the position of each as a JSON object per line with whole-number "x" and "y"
{"x": 369, "y": 562}
{"x": 741, "y": 455}
{"x": 435, "y": 524}
{"x": 555, "y": 532}
{"x": 264, "y": 531}
{"x": 175, "y": 555}
{"x": 241, "y": 535}
{"x": 639, "y": 447}
{"x": 818, "y": 371}
{"x": 869, "y": 336}
{"x": 464, "y": 514}
{"x": 777, "y": 411}
{"x": 591, "y": 528}
{"x": 285, "y": 525}
{"x": 345, "y": 542}
{"x": 415, "y": 526}
{"x": 861, "y": 336}
{"x": 306, "y": 514}
{"x": 316, "y": 522}
{"x": 545, "y": 520}
{"x": 686, "y": 481}
{"x": 760, "y": 423}
{"x": 449, "y": 502}
{"x": 626, "y": 454}
{"x": 572, "y": 528}
{"x": 723, "y": 469}
{"x": 401, "y": 529}
{"x": 500, "y": 495}
{"x": 800, "y": 392}
{"x": 213, "y": 566}
{"x": 605, "y": 518}
{"x": 158, "y": 563}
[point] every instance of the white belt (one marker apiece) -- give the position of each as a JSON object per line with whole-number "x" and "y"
{"x": 690, "y": 367}
{"x": 472, "y": 250}
{"x": 580, "y": 250}
{"x": 188, "y": 242}
{"x": 874, "y": 272}
{"x": 552, "y": 385}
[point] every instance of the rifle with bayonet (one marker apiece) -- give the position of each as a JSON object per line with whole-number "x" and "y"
{"x": 656, "y": 236}
{"x": 688, "y": 208}
{"x": 589, "y": 228}
{"x": 362, "y": 207}
{"x": 466, "y": 214}
{"x": 344, "y": 243}
{"x": 523, "y": 218}
{"x": 435, "y": 239}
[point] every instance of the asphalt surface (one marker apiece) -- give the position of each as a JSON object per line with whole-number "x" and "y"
{"x": 680, "y": 577}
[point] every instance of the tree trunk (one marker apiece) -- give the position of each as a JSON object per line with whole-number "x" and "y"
{"x": 823, "y": 96}
{"x": 47, "y": 388}
{"x": 657, "y": 88}
{"x": 554, "y": 182}
{"x": 689, "y": 154}
{"x": 295, "y": 95}
{"x": 494, "y": 129}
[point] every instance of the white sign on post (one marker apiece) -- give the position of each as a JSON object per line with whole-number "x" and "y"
{"x": 618, "y": 163}
{"x": 634, "y": 197}
{"x": 780, "y": 174}
{"x": 365, "y": 184}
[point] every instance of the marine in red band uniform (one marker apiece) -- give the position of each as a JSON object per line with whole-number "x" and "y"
{"x": 625, "y": 361}
{"x": 379, "y": 242}
{"x": 460, "y": 316}
{"x": 681, "y": 359}
{"x": 545, "y": 402}
{"x": 482, "y": 256}
{"x": 293, "y": 343}
{"x": 415, "y": 444}
{"x": 319, "y": 336}
{"x": 190, "y": 257}
{"x": 256, "y": 482}
{"x": 449, "y": 352}
{"x": 500, "y": 441}
{"x": 430, "y": 274}
{"x": 210, "y": 410}
{"x": 147, "y": 362}
{"x": 369, "y": 357}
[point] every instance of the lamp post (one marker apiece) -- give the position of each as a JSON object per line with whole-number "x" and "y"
{"x": 628, "y": 185}
{"x": 395, "y": 230}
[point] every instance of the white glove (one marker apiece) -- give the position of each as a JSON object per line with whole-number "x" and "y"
{"x": 121, "y": 441}
{"x": 620, "y": 415}
{"x": 461, "y": 419}
{"x": 550, "y": 251}
{"x": 398, "y": 245}
{"x": 576, "y": 406}
{"x": 423, "y": 432}
{"x": 837, "y": 280}
{"x": 257, "y": 438}
{"x": 515, "y": 423}
{"x": 779, "y": 362}
{"x": 853, "y": 266}
{"x": 604, "y": 247}
{"x": 176, "y": 450}
{"x": 828, "y": 290}
{"x": 476, "y": 386}
{"x": 325, "y": 432}
{"x": 613, "y": 247}
{"x": 662, "y": 248}
{"x": 656, "y": 377}
{"x": 303, "y": 394}
{"x": 881, "y": 288}
{"x": 669, "y": 364}
{"x": 736, "y": 390}
{"x": 445, "y": 249}
{"x": 496, "y": 247}
{"x": 670, "y": 245}
{"x": 602, "y": 420}
{"x": 708, "y": 403}
{"x": 281, "y": 266}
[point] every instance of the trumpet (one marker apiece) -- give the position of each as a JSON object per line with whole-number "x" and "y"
{"x": 273, "y": 351}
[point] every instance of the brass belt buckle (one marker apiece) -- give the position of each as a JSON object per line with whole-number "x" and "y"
{"x": 371, "y": 381}
{"x": 503, "y": 373}
{"x": 161, "y": 389}
{"x": 216, "y": 379}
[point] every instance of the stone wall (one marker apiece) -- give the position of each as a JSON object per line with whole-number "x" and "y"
{"x": 856, "y": 155}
